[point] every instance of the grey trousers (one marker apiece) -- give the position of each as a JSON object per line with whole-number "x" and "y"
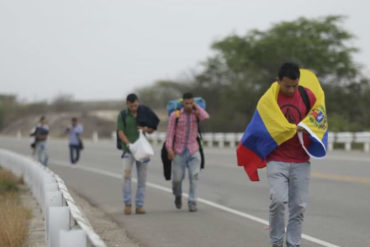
{"x": 289, "y": 184}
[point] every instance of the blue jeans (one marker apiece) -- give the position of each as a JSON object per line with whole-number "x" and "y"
{"x": 141, "y": 169}
{"x": 288, "y": 184}
{"x": 74, "y": 151}
{"x": 42, "y": 153}
{"x": 192, "y": 163}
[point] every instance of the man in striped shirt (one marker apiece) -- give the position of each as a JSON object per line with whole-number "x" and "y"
{"x": 183, "y": 148}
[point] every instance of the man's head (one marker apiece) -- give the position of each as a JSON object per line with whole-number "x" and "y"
{"x": 74, "y": 121}
{"x": 288, "y": 78}
{"x": 42, "y": 120}
{"x": 132, "y": 102}
{"x": 188, "y": 102}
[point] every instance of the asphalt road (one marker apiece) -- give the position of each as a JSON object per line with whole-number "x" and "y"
{"x": 232, "y": 210}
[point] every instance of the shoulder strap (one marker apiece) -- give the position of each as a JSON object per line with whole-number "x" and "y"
{"x": 305, "y": 98}
{"x": 123, "y": 116}
{"x": 177, "y": 117}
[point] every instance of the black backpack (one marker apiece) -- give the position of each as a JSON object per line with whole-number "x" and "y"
{"x": 305, "y": 98}
{"x": 118, "y": 140}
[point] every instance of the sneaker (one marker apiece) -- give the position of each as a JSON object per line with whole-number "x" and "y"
{"x": 127, "y": 209}
{"x": 140, "y": 210}
{"x": 178, "y": 202}
{"x": 192, "y": 206}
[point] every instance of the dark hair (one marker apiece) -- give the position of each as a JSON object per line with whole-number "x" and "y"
{"x": 42, "y": 118}
{"x": 290, "y": 70}
{"x": 131, "y": 98}
{"x": 187, "y": 96}
{"x": 74, "y": 119}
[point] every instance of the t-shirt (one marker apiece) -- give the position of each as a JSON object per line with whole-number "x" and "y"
{"x": 294, "y": 110}
{"x": 130, "y": 129}
{"x": 75, "y": 134}
{"x": 42, "y": 130}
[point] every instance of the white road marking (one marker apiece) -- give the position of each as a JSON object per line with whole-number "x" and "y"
{"x": 204, "y": 201}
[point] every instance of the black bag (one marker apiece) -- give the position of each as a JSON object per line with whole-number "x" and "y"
{"x": 80, "y": 144}
{"x": 118, "y": 140}
{"x": 145, "y": 117}
{"x": 200, "y": 143}
{"x": 166, "y": 162}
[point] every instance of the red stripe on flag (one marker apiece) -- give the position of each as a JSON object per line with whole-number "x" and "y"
{"x": 250, "y": 161}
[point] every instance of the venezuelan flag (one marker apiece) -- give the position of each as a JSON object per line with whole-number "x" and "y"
{"x": 269, "y": 128}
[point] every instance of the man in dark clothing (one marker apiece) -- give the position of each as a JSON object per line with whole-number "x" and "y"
{"x": 129, "y": 121}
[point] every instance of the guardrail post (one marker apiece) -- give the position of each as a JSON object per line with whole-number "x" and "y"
{"x": 363, "y": 137}
{"x": 331, "y": 140}
{"x": 231, "y": 138}
{"x": 220, "y": 139}
{"x": 95, "y": 136}
{"x": 73, "y": 238}
{"x": 346, "y": 138}
{"x": 208, "y": 139}
{"x": 58, "y": 219}
{"x": 114, "y": 136}
{"x": 161, "y": 137}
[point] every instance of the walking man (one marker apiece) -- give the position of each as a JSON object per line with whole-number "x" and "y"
{"x": 288, "y": 166}
{"x": 75, "y": 143}
{"x": 183, "y": 148}
{"x": 129, "y": 121}
{"x": 41, "y": 134}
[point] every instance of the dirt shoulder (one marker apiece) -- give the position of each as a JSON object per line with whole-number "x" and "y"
{"x": 112, "y": 234}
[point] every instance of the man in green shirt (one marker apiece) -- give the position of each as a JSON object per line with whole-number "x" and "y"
{"x": 128, "y": 124}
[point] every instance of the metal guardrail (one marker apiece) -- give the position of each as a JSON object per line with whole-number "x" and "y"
{"x": 65, "y": 224}
{"x": 232, "y": 139}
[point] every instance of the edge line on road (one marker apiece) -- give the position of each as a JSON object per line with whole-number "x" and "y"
{"x": 201, "y": 200}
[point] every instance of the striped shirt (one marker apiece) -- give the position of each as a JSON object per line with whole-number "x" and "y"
{"x": 184, "y": 135}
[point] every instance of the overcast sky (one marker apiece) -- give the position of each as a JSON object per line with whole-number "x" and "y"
{"x": 104, "y": 49}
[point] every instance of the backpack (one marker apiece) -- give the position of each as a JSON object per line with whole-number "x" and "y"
{"x": 176, "y": 104}
{"x": 118, "y": 140}
{"x": 305, "y": 98}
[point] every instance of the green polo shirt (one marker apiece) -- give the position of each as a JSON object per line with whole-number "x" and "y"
{"x": 130, "y": 129}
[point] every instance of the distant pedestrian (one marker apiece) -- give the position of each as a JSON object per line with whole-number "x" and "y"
{"x": 41, "y": 135}
{"x": 136, "y": 116}
{"x": 75, "y": 131}
{"x": 183, "y": 148}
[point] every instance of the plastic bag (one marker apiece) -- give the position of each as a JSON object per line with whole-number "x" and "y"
{"x": 141, "y": 149}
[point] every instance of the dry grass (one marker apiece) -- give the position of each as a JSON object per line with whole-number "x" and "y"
{"x": 13, "y": 217}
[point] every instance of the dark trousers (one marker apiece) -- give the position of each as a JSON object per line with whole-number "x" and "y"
{"x": 74, "y": 151}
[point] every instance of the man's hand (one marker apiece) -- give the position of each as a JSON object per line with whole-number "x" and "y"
{"x": 143, "y": 129}
{"x": 300, "y": 129}
{"x": 171, "y": 155}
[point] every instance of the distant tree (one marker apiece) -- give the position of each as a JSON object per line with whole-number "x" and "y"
{"x": 243, "y": 67}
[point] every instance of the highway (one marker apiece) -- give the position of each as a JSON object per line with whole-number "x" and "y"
{"x": 232, "y": 211}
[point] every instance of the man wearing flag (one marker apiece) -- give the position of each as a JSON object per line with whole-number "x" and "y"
{"x": 289, "y": 126}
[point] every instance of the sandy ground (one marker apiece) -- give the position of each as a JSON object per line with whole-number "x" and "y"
{"x": 112, "y": 234}
{"x": 36, "y": 228}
